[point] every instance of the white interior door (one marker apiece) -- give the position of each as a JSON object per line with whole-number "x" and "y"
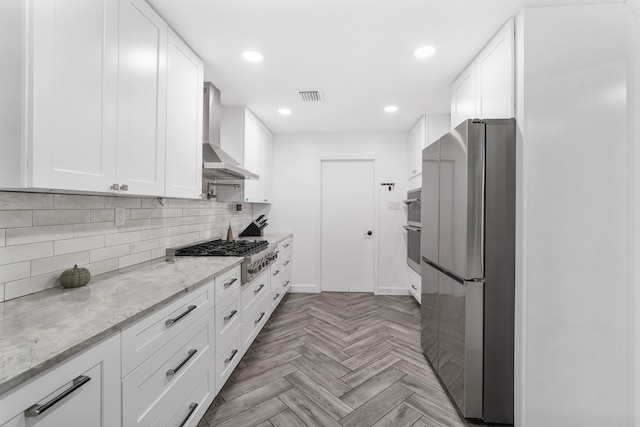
{"x": 348, "y": 235}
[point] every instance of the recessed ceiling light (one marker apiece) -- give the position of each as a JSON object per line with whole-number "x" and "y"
{"x": 391, "y": 109}
{"x": 253, "y": 56}
{"x": 424, "y": 51}
{"x": 284, "y": 111}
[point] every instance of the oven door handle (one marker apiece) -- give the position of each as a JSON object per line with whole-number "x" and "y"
{"x": 412, "y": 228}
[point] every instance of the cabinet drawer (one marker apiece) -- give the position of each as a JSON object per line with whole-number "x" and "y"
{"x": 254, "y": 319}
{"x": 276, "y": 276}
{"x": 144, "y": 338}
{"x": 228, "y": 354}
{"x": 254, "y": 290}
{"x": 82, "y": 391}
{"x": 284, "y": 252}
{"x": 146, "y": 385}
{"x": 228, "y": 315}
{"x": 286, "y": 280}
{"x": 226, "y": 284}
{"x": 191, "y": 409}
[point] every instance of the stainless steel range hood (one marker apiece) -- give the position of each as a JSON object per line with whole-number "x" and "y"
{"x": 215, "y": 162}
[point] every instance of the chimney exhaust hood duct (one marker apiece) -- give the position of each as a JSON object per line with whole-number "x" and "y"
{"x": 215, "y": 162}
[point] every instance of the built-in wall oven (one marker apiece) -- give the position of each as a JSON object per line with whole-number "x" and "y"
{"x": 413, "y": 228}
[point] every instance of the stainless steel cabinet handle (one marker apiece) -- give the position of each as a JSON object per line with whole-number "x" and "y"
{"x": 227, "y": 318}
{"x": 276, "y": 297}
{"x": 414, "y": 287}
{"x": 259, "y": 318}
{"x": 35, "y": 410}
{"x": 170, "y": 322}
{"x": 192, "y": 409}
{"x": 115, "y": 187}
{"x": 124, "y": 187}
{"x": 172, "y": 372}
{"x": 286, "y": 262}
{"x": 259, "y": 289}
{"x": 285, "y": 284}
{"x": 287, "y": 245}
{"x": 230, "y": 358}
{"x": 276, "y": 273}
{"x": 230, "y": 282}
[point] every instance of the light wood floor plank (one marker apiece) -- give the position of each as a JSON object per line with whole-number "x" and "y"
{"x": 372, "y": 387}
{"x": 376, "y": 408}
{"x": 286, "y": 419}
{"x": 401, "y": 416}
{"x": 329, "y": 403}
{"x": 306, "y": 410}
{"x": 256, "y": 415}
{"x": 323, "y": 377}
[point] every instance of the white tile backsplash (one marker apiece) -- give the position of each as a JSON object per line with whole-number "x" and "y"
{"x": 59, "y": 262}
{"x": 61, "y": 247}
{"x": 43, "y": 234}
{"x": 19, "y": 270}
{"x": 16, "y": 218}
{"x": 61, "y": 217}
{"x": 47, "y": 233}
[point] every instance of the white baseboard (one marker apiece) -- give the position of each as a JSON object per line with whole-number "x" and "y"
{"x": 305, "y": 289}
{"x": 393, "y": 291}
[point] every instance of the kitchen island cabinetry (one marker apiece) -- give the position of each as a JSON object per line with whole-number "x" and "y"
{"x": 486, "y": 88}
{"x": 82, "y": 391}
{"x": 245, "y": 138}
{"x": 87, "y": 83}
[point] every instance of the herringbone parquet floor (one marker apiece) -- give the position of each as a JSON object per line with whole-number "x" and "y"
{"x": 335, "y": 359}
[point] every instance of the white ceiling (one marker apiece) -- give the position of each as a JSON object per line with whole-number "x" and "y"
{"x": 357, "y": 52}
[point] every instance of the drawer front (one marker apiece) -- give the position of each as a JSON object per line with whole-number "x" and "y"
{"x": 253, "y": 320}
{"x": 228, "y": 354}
{"x": 284, "y": 252}
{"x": 84, "y": 390}
{"x": 191, "y": 409}
{"x": 276, "y": 276}
{"x": 286, "y": 280}
{"x": 255, "y": 290}
{"x": 147, "y": 384}
{"x": 226, "y": 284}
{"x": 195, "y": 386}
{"x": 228, "y": 315}
{"x": 146, "y": 337}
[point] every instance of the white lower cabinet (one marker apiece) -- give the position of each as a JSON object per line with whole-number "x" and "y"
{"x": 256, "y": 307}
{"x": 415, "y": 284}
{"x": 82, "y": 391}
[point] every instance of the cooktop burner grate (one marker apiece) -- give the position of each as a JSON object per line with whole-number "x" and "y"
{"x": 223, "y": 248}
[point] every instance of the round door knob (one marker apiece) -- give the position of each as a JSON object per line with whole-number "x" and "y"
{"x": 369, "y": 233}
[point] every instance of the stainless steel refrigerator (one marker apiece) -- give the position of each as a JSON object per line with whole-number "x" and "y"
{"x": 468, "y": 265}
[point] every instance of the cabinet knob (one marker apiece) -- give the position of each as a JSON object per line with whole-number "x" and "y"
{"x": 115, "y": 187}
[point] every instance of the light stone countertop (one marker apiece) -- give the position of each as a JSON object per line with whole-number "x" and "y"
{"x": 270, "y": 237}
{"x": 40, "y": 330}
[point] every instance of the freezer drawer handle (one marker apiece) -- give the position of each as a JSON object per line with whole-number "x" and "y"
{"x": 192, "y": 409}
{"x": 259, "y": 289}
{"x": 171, "y": 322}
{"x": 230, "y": 282}
{"x": 259, "y": 318}
{"x": 233, "y": 354}
{"x": 227, "y": 318}
{"x": 172, "y": 372}
{"x": 35, "y": 410}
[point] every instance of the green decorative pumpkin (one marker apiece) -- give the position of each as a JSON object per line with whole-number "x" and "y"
{"x": 75, "y": 277}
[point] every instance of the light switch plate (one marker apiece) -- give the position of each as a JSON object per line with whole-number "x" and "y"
{"x": 120, "y": 217}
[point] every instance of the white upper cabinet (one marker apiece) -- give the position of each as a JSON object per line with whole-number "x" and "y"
{"x": 250, "y": 142}
{"x": 417, "y": 140}
{"x": 71, "y": 82}
{"x": 142, "y": 82}
{"x": 486, "y": 88}
{"x": 185, "y": 80}
{"x": 85, "y": 88}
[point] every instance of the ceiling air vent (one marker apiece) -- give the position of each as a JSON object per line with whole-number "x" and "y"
{"x": 310, "y": 95}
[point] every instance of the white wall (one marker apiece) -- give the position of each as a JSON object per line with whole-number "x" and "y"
{"x": 296, "y": 200}
{"x": 576, "y": 264}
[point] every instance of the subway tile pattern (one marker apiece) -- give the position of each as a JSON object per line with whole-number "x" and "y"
{"x": 42, "y": 235}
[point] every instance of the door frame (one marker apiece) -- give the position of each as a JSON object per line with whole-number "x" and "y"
{"x": 376, "y": 225}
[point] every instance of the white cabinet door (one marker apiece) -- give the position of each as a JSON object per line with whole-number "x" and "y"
{"x": 141, "y": 98}
{"x": 184, "y": 120}
{"x": 463, "y": 97}
{"x": 72, "y": 122}
{"x": 495, "y": 76}
{"x": 416, "y": 142}
{"x": 253, "y": 156}
{"x": 90, "y": 382}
